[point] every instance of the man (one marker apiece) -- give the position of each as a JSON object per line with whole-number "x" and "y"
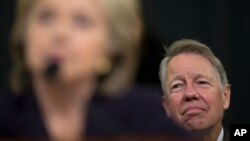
{"x": 196, "y": 89}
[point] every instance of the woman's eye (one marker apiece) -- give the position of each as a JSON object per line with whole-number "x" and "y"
{"x": 46, "y": 17}
{"x": 83, "y": 21}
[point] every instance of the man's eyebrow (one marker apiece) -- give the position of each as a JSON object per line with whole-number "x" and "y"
{"x": 203, "y": 76}
{"x": 196, "y": 76}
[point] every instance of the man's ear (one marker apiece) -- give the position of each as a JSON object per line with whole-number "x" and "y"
{"x": 226, "y": 96}
{"x": 164, "y": 102}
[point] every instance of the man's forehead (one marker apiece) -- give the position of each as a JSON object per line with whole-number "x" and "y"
{"x": 190, "y": 64}
{"x": 178, "y": 76}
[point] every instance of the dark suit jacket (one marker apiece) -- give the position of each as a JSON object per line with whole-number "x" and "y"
{"x": 139, "y": 112}
{"x": 226, "y": 135}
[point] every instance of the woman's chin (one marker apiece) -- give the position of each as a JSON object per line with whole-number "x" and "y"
{"x": 68, "y": 79}
{"x": 71, "y": 78}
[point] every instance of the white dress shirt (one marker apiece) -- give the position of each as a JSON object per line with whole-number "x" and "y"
{"x": 220, "y": 137}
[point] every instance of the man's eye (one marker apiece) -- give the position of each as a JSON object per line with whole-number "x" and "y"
{"x": 177, "y": 86}
{"x": 203, "y": 83}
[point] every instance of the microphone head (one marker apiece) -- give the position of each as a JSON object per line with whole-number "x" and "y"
{"x": 52, "y": 70}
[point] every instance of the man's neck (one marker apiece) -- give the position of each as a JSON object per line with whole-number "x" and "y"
{"x": 211, "y": 134}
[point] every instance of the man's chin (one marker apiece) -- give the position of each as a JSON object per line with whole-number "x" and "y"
{"x": 195, "y": 125}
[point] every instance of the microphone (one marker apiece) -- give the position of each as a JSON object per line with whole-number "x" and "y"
{"x": 52, "y": 70}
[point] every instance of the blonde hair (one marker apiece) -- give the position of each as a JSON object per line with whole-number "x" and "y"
{"x": 191, "y": 47}
{"x": 125, "y": 28}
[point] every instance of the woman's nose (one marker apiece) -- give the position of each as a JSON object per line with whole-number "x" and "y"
{"x": 60, "y": 34}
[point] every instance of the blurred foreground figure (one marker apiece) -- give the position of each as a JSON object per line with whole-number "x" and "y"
{"x": 196, "y": 89}
{"x": 74, "y": 64}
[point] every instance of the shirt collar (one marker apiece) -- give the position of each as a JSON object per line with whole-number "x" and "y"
{"x": 220, "y": 137}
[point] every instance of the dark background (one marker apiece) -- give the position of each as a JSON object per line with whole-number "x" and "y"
{"x": 224, "y": 25}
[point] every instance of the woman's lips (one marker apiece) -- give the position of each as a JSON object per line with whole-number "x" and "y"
{"x": 56, "y": 59}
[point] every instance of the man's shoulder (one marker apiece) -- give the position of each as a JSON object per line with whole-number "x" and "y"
{"x": 226, "y": 135}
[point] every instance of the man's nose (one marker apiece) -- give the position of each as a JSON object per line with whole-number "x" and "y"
{"x": 190, "y": 93}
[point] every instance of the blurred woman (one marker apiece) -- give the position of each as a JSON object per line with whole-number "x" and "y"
{"x": 61, "y": 50}
{"x": 74, "y": 67}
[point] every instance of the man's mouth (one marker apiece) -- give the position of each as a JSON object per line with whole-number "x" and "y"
{"x": 193, "y": 110}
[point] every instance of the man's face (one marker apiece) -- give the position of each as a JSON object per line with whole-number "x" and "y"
{"x": 194, "y": 98}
